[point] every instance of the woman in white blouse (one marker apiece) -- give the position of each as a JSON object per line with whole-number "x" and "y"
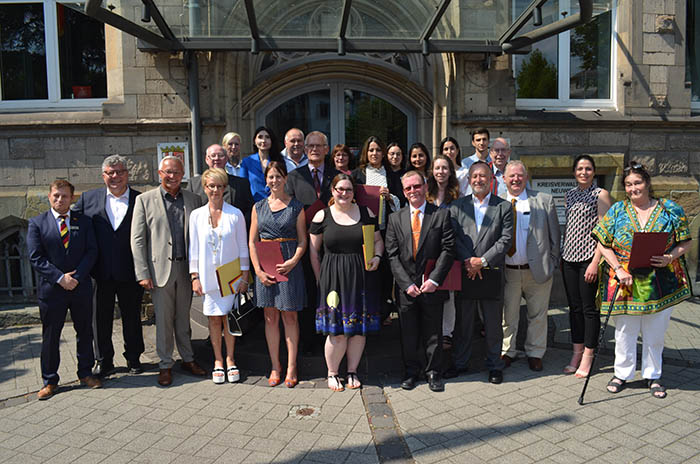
{"x": 217, "y": 236}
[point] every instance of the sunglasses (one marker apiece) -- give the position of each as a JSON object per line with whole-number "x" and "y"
{"x": 633, "y": 166}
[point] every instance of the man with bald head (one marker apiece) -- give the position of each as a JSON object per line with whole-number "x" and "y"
{"x": 500, "y": 154}
{"x": 293, "y": 153}
{"x": 237, "y": 191}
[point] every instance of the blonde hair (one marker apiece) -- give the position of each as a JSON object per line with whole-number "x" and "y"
{"x": 215, "y": 174}
{"x": 228, "y": 136}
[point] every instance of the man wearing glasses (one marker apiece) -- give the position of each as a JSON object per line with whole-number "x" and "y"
{"x": 500, "y": 153}
{"x": 237, "y": 192}
{"x": 111, "y": 208}
{"x": 159, "y": 242}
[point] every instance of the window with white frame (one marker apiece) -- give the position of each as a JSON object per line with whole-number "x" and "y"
{"x": 51, "y": 56}
{"x": 571, "y": 70}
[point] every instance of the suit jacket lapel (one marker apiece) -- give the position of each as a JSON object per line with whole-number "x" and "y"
{"x": 471, "y": 214}
{"x": 102, "y": 204}
{"x": 406, "y": 228}
{"x": 425, "y": 226}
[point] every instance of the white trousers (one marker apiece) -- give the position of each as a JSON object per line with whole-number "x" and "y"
{"x": 653, "y": 328}
{"x": 519, "y": 283}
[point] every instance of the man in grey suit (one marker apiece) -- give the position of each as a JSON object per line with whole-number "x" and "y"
{"x": 159, "y": 243}
{"x": 483, "y": 227}
{"x": 530, "y": 264}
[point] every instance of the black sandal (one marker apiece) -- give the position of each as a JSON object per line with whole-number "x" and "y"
{"x": 352, "y": 378}
{"x": 338, "y": 385}
{"x": 616, "y": 387}
{"x": 657, "y": 389}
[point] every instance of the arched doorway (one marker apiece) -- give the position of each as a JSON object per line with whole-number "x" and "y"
{"x": 346, "y": 111}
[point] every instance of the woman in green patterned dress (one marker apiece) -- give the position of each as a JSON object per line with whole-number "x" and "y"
{"x": 646, "y": 295}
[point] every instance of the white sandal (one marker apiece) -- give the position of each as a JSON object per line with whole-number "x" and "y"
{"x": 234, "y": 375}
{"x": 217, "y": 375}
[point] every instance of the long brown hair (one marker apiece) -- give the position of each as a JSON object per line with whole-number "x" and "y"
{"x": 452, "y": 189}
{"x": 334, "y": 182}
{"x": 364, "y": 160}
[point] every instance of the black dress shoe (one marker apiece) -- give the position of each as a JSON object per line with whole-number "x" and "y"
{"x": 134, "y": 367}
{"x": 103, "y": 368}
{"x": 409, "y": 383}
{"x": 495, "y": 376}
{"x": 453, "y": 372}
{"x": 435, "y": 383}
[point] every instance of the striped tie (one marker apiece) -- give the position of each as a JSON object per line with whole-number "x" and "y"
{"x": 65, "y": 236}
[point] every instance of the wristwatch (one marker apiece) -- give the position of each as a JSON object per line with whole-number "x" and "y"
{"x": 194, "y": 278}
{"x": 484, "y": 263}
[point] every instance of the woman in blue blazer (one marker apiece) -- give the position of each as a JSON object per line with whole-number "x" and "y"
{"x": 253, "y": 166}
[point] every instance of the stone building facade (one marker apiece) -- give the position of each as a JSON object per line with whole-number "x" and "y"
{"x": 648, "y": 114}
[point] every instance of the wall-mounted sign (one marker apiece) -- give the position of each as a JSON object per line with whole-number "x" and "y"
{"x": 557, "y": 187}
{"x": 178, "y": 149}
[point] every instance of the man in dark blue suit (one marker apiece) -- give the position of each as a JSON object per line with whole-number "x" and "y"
{"x": 62, "y": 249}
{"x": 110, "y": 208}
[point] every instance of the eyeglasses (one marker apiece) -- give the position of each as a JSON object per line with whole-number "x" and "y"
{"x": 343, "y": 190}
{"x": 501, "y": 150}
{"x": 633, "y": 166}
{"x": 216, "y": 156}
{"x": 313, "y": 146}
{"x": 172, "y": 173}
{"x": 116, "y": 172}
{"x": 215, "y": 186}
{"x": 408, "y": 188}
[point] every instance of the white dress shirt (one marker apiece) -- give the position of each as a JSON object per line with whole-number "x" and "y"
{"x": 117, "y": 207}
{"x": 522, "y": 208}
{"x": 480, "y": 210}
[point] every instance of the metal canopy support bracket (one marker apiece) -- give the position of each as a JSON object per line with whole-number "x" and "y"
{"x": 344, "y": 26}
{"x": 159, "y": 20}
{"x": 511, "y": 44}
{"x": 428, "y": 31}
{"x": 253, "y": 25}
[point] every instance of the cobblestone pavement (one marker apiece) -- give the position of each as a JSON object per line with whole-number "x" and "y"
{"x": 530, "y": 417}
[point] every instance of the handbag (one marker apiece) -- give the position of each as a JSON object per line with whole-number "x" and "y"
{"x": 240, "y": 318}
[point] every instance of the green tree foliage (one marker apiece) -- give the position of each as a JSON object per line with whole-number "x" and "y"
{"x": 537, "y": 77}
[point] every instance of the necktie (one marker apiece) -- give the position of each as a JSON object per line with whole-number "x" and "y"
{"x": 415, "y": 230}
{"x": 511, "y": 252}
{"x": 317, "y": 183}
{"x": 65, "y": 236}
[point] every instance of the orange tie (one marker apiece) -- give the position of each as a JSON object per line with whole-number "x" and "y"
{"x": 415, "y": 230}
{"x": 511, "y": 252}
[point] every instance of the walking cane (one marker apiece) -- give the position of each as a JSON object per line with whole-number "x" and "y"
{"x": 601, "y": 336}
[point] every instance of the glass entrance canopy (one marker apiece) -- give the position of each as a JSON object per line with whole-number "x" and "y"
{"x": 345, "y": 26}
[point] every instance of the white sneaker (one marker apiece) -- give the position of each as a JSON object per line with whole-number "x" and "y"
{"x": 234, "y": 375}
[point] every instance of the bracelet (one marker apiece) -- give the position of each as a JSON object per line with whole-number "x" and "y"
{"x": 378, "y": 256}
{"x": 619, "y": 266}
{"x": 194, "y": 278}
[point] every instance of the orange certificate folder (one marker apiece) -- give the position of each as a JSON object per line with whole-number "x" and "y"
{"x": 368, "y": 196}
{"x": 227, "y": 275}
{"x": 270, "y": 255}
{"x": 311, "y": 211}
{"x": 368, "y": 243}
{"x": 644, "y": 246}
{"x": 452, "y": 282}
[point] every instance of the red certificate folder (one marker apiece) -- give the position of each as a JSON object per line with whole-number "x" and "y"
{"x": 270, "y": 255}
{"x": 644, "y": 246}
{"x": 453, "y": 281}
{"x": 311, "y": 211}
{"x": 368, "y": 196}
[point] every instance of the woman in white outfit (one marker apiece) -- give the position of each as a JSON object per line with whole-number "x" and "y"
{"x": 217, "y": 236}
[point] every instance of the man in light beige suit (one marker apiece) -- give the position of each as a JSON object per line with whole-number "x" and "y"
{"x": 530, "y": 264}
{"x": 159, "y": 243}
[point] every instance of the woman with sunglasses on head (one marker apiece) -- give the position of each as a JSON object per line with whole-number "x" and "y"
{"x": 349, "y": 290}
{"x": 450, "y": 148}
{"x": 253, "y": 166}
{"x": 586, "y": 204}
{"x": 443, "y": 188}
{"x": 646, "y": 294}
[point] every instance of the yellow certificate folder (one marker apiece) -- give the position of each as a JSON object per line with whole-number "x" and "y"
{"x": 228, "y": 275}
{"x": 368, "y": 243}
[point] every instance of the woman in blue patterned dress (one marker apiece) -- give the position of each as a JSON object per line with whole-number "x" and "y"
{"x": 280, "y": 218}
{"x": 647, "y": 294}
{"x": 349, "y": 306}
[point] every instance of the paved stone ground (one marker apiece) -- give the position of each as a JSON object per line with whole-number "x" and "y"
{"x": 530, "y": 417}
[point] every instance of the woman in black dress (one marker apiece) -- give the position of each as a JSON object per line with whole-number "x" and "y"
{"x": 349, "y": 303}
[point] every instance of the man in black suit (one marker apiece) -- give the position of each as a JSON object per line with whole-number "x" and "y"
{"x": 237, "y": 192}
{"x": 62, "y": 251}
{"x": 415, "y": 234}
{"x": 483, "y": 227}
{"x": 308, "y": 184}
{"x": 110, "y": 208}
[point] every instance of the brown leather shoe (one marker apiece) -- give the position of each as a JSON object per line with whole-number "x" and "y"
{"x": 91, "y": 382}
{"x": 165, "y": 377}
{"x": 47, "y": 392}
{"x": 507, "y": 360}
{"x": 535, "y": 364}
{"x": 193, "y": 369}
